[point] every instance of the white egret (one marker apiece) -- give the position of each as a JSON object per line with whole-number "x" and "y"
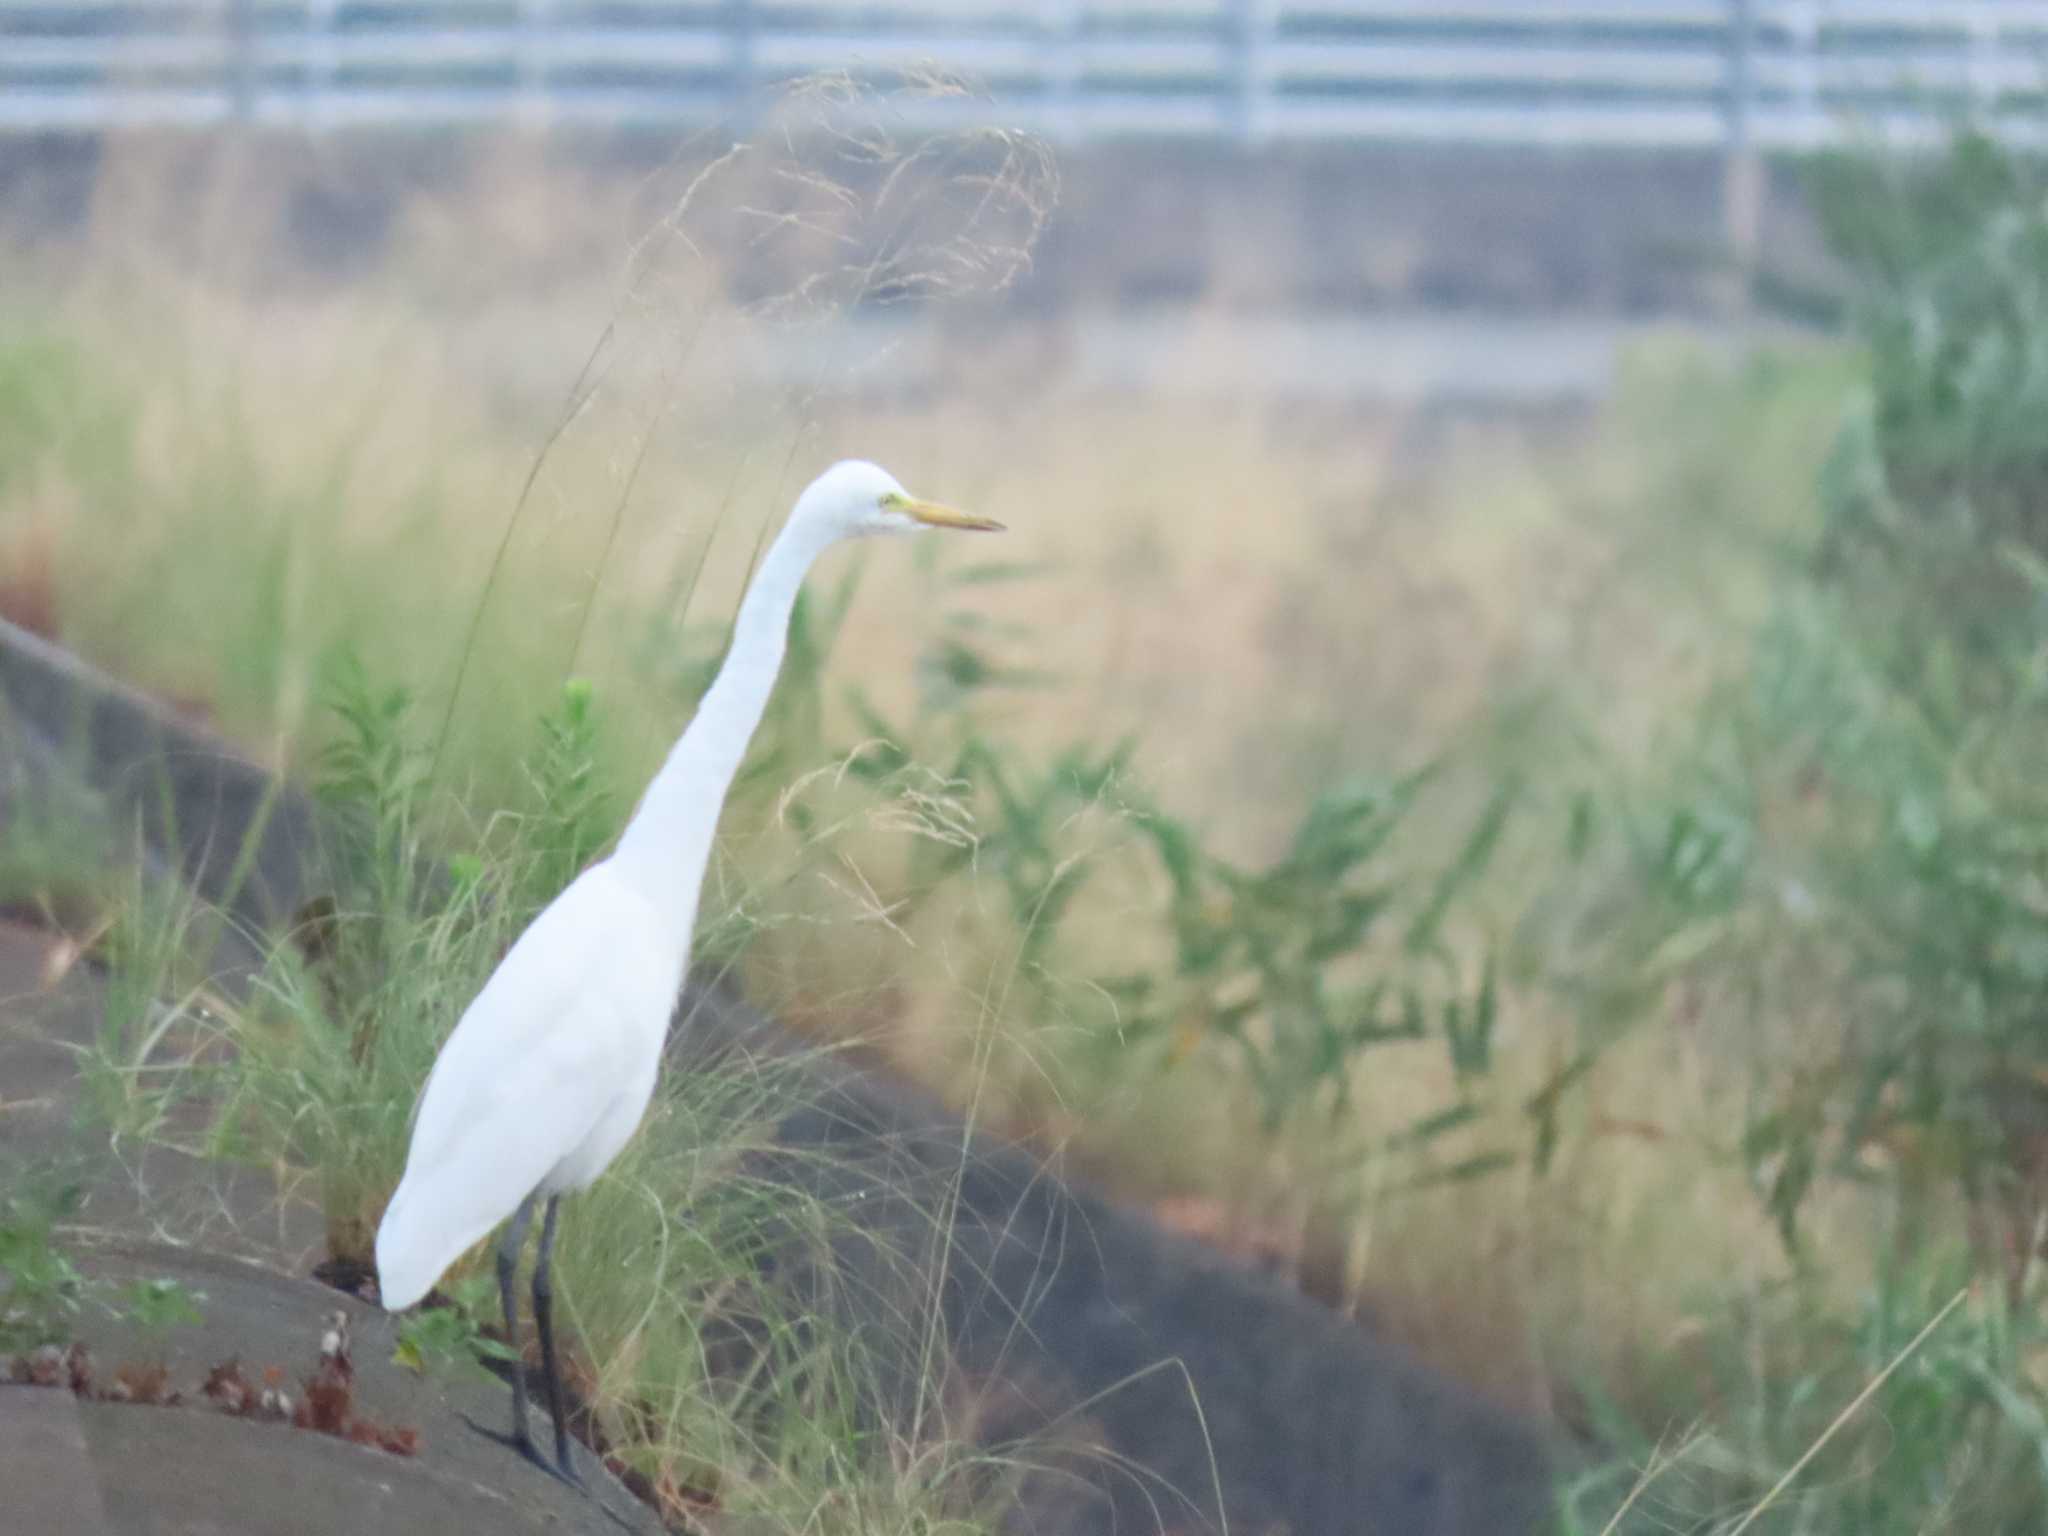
{"x": 551, "y": 1067}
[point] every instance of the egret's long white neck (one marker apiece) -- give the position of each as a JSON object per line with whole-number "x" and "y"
{"x": 667, "y": 844}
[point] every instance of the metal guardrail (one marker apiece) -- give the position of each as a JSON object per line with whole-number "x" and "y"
{"x": 1734, "y": 74}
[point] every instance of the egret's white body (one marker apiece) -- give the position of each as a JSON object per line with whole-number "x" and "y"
{"x": 542, "y": 1082}
{"x": 550, "y": 1069}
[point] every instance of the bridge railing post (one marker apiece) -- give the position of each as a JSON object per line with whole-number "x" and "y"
{"x": 1742, "y": 178}
{"x": 1249, "y": 30}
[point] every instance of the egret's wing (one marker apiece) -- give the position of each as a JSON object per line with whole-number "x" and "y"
{"x": 529, "y": 1071}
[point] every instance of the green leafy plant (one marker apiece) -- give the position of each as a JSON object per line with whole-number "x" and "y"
{"x": 157, "y": 1306}
{"x": 575, "y": 816}
{"x": 1900, "y": 698}
{"x": 1834, "y": 883}
{"x": 1284, "y": 966}
{"x": 41, "y": 1290}
{"x": 450, "y": 1339}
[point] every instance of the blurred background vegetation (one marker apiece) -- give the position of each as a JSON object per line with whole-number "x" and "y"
{"x": 1569, "y": 893}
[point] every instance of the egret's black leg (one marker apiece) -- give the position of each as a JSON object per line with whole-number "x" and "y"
{"x": 544, "y": 1319}
{"x": 508, "y": 1292}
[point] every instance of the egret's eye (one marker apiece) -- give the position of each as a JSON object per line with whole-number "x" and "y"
{"x": 892, "y": 501}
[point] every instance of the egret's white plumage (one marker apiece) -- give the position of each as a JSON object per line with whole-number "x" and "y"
{"x": 543, "y": 1080}
{"x": 551, "y": 1067}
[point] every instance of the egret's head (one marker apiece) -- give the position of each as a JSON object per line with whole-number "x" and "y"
{"x": 854, "y": 499}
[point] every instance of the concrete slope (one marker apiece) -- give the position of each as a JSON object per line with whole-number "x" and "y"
{"x": 93, "y": 1465}
{"x": 137, "y": 1468}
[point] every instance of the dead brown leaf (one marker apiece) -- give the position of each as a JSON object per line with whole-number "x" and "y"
{"x": 140, "y": 1382}
{"x": 228, "y": 1389}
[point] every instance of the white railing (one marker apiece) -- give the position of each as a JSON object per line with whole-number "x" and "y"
{"x": 1642, "y": 73}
